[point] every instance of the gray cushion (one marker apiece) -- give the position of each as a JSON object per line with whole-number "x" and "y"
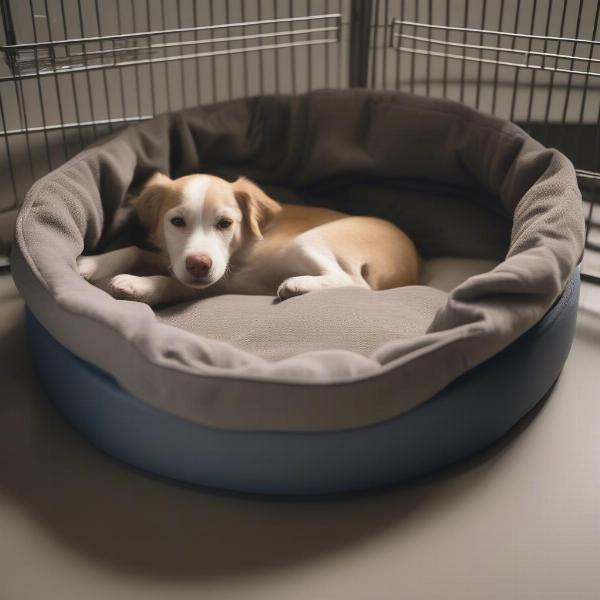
{"x": 356, "y": 320}
{"x": 353, "y": 319}
{"x": 459, "y": 182}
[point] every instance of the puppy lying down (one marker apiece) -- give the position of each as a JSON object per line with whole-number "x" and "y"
{"x": 214, "y": 237}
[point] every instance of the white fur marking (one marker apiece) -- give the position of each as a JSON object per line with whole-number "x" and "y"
{"x": 194, "y": 192}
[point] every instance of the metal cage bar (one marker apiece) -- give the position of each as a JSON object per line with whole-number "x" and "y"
{"x": 43, "y": 58}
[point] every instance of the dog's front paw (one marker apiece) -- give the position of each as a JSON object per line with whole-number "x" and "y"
{"x": 88, "y": 267}
{"x": 131, "y": 287}
{"x": 295, "y": 286}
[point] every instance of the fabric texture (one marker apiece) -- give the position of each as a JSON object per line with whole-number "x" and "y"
{"x": 458, "y": 182}
{"x": 353, "y": 319}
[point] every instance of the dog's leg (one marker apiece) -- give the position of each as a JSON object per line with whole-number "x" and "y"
{"x": 296, "y": 286}
{"x": 152, "y": 290}
{"x": 123, "y": 260}
{"x": 309, "y": 255}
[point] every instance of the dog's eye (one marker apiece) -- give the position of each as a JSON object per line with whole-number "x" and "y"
{"x": 178, "y": 221}
{"x": 224, "y": 224}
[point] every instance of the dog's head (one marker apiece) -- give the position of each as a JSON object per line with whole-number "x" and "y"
{"x": 200, "y": 221}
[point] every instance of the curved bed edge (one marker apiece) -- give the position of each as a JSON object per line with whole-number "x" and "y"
{"x": 470, "y": 414}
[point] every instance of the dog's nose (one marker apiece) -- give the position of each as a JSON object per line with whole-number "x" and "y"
{"x": 198, "y": 265}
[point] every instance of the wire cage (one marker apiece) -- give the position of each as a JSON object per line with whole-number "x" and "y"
{"x": 74, "y": 70}
{"x": 535, "y": 62}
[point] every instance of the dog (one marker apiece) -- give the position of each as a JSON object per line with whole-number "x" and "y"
{"x": 209, "y": 236}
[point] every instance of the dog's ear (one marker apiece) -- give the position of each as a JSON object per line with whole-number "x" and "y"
{"x": 147, "y": 203}
{"x": 258, "y": 209}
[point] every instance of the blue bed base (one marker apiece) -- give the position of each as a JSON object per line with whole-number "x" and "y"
{"x": 464, "y": 418}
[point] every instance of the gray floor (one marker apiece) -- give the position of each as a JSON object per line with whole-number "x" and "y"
{"x": 521, "y": 522}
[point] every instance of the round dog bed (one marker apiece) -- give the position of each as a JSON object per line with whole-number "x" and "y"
{"x": 338, "y": 389}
